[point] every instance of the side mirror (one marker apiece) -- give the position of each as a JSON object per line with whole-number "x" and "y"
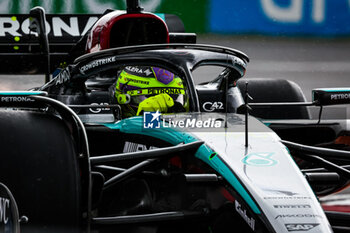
{"x": 133, "y": 7}
{"x": 331, "y": 96}
{"x": 38, "y": 25}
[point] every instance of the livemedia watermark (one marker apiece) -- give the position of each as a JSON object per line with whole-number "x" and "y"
{"x": 155, "y": 120}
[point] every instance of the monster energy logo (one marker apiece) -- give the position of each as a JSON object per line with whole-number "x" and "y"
{"x": 70, "y": 6}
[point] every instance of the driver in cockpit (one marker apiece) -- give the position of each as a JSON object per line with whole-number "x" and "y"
{"x": 149, "y": 89}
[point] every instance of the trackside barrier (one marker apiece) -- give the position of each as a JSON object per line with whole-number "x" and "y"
{"x": 281, "y": 17}
{"x": 276, "y": 17}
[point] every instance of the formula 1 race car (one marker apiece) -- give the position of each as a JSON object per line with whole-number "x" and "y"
{"x": 239, "y": 156}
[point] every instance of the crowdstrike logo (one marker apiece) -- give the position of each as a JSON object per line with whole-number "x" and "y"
{"x": 153, "y": 120}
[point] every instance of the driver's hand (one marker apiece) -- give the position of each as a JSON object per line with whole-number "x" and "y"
{"x": 159, "y": 102}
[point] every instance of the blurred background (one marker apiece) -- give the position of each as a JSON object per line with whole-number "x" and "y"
{"x": 306, "y": 41}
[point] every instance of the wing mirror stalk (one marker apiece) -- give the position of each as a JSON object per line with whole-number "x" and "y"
{"x": 38, "y": 25}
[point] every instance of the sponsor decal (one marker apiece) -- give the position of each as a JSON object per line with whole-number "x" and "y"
{"x": 98, "y": 110}
{"x": 134, "y": 147}
{"x": 212, "y": 106}
{"x": 156, "y": 91}
{"x": 62, "y": 77}
{"x": 97, "y": 63}
{"x": 286, "y": 198}
{"x": 340, "y": 96}
{"x": 57, "y": 26}
{"x": 276, "y": 192}
{"x": 71, "y": 6}
{"x": 243, "y": 212}
{"x": 169, "y": 91}
{"x": 301, "y": 226}
{"x": 292, "y": 206}
{"x": 146, "y": 72}
{"x": 9, "y": 220}
{"x": 298, "y": 216}
{"x": 4, "y": 209}
{"x": 136, "y": 81}
{"x": 16, "y": 99}
{"x": 260, "y": 159}
{"x": 288, "y": 193}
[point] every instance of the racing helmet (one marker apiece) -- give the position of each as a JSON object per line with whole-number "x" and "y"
{"x": 135, "y": 84}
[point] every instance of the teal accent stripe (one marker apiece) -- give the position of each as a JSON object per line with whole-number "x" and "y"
{"x": 267, "y": 124}
{"x": 161, "y": 16}
{"x": 21, "y": 93}
{"x": 204, "y": 153}
{"x": 335, "y": 90}
{"x": 134, "y": 125}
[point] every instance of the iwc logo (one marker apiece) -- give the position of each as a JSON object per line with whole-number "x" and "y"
{"x": 9, "y": 219}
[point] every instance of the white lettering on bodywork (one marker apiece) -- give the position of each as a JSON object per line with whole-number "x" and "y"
{"x": 16, "y": 99}
{"x": 243, "y": 213}
{"x": 97, "y": 63}
{"x": 4, "y": 205}
{"x": 340, "y": 96}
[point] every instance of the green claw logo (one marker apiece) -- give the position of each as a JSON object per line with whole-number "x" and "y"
{"x": 262, "y": 159}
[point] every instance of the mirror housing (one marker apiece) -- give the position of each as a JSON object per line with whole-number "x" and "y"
{"x": 38, "y": 25}
{"x": 331, "y": 96}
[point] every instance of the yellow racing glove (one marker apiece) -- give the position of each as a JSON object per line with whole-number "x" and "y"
{"x": 159, "y": 102}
